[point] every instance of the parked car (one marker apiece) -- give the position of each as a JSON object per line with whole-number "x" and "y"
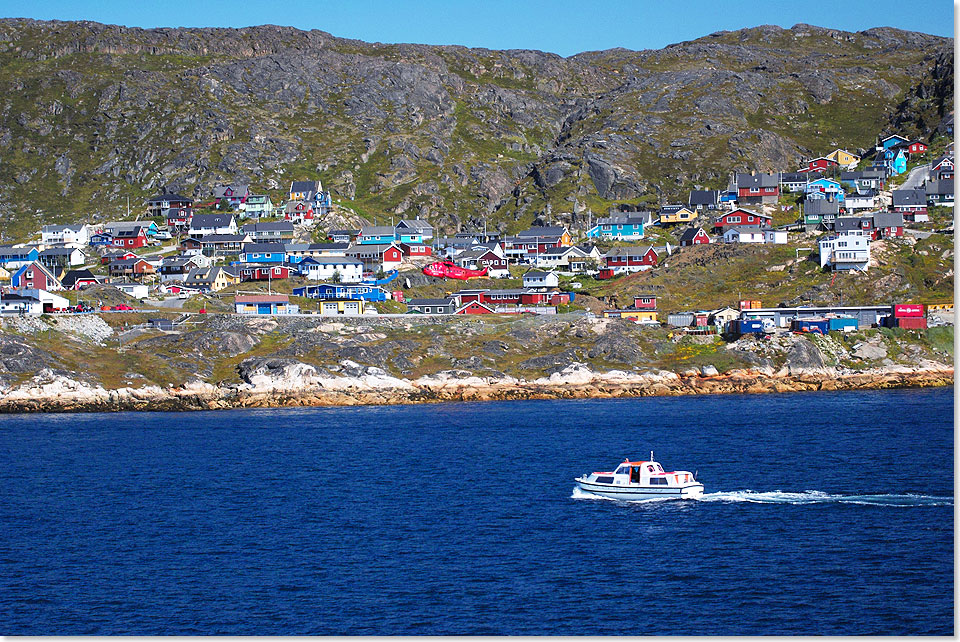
{"x": 122, "y": 306}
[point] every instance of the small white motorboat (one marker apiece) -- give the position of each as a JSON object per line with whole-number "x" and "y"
{"x": 634, "y": 480}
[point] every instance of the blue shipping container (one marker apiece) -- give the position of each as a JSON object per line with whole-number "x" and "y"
{"x": 750, "y": 326}
{"x": 818, "y": 326}
{"x": 844, "y": 324}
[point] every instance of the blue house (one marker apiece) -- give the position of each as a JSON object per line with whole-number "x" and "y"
{"x": 824, "y": 188}
{"x": 627, "y": 227}
{"x": 342, "y": 291}
{"x": 899, "y": 163}
{"x": 892, "y": 141}
{"x": 263, "y": 253}
{"x": 15, "y": 257}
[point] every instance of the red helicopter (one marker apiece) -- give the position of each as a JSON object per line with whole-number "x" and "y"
{"x": 448, "y": 270}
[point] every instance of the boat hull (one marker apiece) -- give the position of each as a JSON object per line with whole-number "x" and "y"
{"x": 632, "y": 493}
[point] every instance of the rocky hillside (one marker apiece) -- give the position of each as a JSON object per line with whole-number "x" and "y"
{"x": 92, "y": 114}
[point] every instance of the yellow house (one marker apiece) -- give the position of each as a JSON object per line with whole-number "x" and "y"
{"x": 342, "y": 306}
{"x": 4, "y": 274}
{"x": 676, "y": 214}
{"x": 843, "y": 157}
{"x": 639, "y": 316}
{"x": 211, "y": 279}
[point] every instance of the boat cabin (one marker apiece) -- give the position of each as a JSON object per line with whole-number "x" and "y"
{"x": 645, "y": 473}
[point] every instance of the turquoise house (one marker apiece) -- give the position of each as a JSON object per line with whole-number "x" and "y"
{"x": 824, "y": 188}
{"x": 627, "y": 227}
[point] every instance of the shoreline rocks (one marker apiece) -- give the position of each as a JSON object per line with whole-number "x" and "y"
{"x": 290, "y": 383}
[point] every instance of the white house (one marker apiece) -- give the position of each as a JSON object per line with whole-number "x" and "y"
{"x": 204, "y": 224}
{"x": 65, "y": 234}
{"x": 743, "y": 235}
{"x": 323, "y": 269}
{"x": 31, "y": 301}
{"x": 538, "y": 279}
{"x": 771, "y": 235}
{"x": 857, "y": 202}
{"x": 845, "y": 252}
{"x": 136, "y": 290}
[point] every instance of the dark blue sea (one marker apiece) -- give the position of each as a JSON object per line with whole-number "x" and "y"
{"x": 824, "y": 513}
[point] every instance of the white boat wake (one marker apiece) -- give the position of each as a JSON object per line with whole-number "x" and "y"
{"x": 819, "y": 497}
{"x": 796, "y": 498}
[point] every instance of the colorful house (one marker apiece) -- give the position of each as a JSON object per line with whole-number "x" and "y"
{"x": 694, "y": 236}
{"x": 265, "y": 304}
{"x": 263, "y": 253}
{"x": 819, "y": 164}
{"x": 673, "y": 214}
{"x": 741, "y": 218}
{"x": 844, "y": 158}
{"x": 342, "y": 307}
{"x": 130, "y": 238}
{"x": 263, "y": 272}
{"x": 754, "y": 189}
{"x": 35, "y": 276}
{"x": 631, "y": 259}
{"x": 378, "y": 256}
{"x": 824, "y": 188}
{"x": 232, "y": 195}
{"x": 624, "y": 226}
{"x": 342, "y": 291}
{"x": 158, "y": 204}
{"x": 377, "y": 235}
{"x": 912, "y": 203}
{"x": 410, "y": 229}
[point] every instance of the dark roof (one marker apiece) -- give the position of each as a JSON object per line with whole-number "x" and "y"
{"x": 272, "y": 248}
{"x": 169, "y": 196}
{"x": 690, "y": 233}
{"x": 794, "y": 177}
{"x": 888, "y": 219}
{"x": 757, "y": 180}
{"x": 272, "y": 226}
{"x": 70, "y": 278}
{"x": 210, "y": 220}
{"x": 414, "y": 224}
{"x": 220, "y": 238}
{"x": 703, "y": 197}
{"x": 311, "y": 187}
{"x": 543, "y": 231}
{"x": 343, "y": 232}
{"x": 237, "y": 190}
{"x": 940, "y": 187}
{"x": 59, "y": 251}
{"x": 909, "y": 197}
{"x": 820, "y": 207}
{"x": 844, "y": 223}
{"x": 443, "y": 302}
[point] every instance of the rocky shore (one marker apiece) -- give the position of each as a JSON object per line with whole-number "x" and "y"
{"x": 75, "y": 365}
{"x": 280, "y": 383}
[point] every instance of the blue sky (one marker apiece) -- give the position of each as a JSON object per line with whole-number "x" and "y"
{"x": 565, "y": 27}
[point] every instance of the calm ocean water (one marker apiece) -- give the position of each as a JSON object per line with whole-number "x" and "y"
{"x": 825, "y": 513}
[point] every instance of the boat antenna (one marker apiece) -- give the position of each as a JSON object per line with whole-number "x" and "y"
{"x": 651, "y": 455}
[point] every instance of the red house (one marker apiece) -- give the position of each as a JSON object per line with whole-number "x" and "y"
{"x": 741, "y": 218}
{"x": 116, "y": 255}
{"x": 645, "y": 302}
{"x": 631, "y": 259}
{"x": 263, "y": 272}
{"x": 474, "y": 307}
{"x": 694, "y": 236}
{"x": 917, "y": 147}
{"x": 35, "y": 276}
{"x": 128, "y": 239}
{"x": 819, "y": 164}
{"x": 416, "y": 249}
{"x": 179, "y": 217}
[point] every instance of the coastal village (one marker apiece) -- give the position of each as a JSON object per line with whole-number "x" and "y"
{"x": 286, "y": 258}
